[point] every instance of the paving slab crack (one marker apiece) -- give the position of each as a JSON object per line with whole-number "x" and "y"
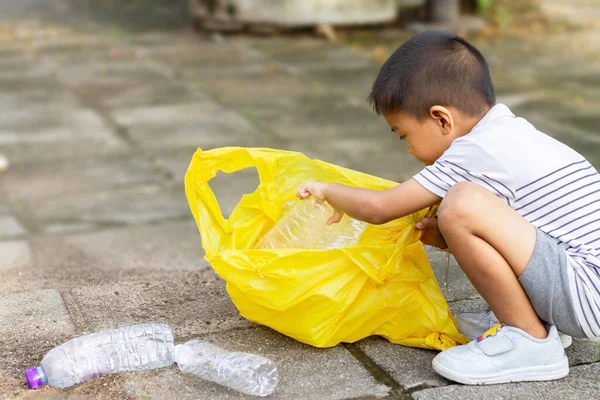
{"x": 397, "y": 392}
{"x": 418, "y": 388}
{"x": 173, "y": 75}
{"x": 97, "y": 225}
{"x": 121, "y": 131}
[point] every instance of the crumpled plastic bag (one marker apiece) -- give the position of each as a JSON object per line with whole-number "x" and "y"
{"x": 383, "y": 285}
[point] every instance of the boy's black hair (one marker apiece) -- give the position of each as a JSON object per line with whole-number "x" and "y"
{"x": 433, "y": 68}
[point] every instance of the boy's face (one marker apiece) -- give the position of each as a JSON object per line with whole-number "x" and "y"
{"x": 426, "y": 140}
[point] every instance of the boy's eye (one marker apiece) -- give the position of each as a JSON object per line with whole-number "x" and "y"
{"x": 402, "y": 137}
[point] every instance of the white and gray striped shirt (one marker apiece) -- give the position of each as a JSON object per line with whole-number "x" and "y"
{"x": 552, "y": 186}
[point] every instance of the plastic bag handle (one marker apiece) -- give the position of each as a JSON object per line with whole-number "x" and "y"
{"x": 205, "y": 165}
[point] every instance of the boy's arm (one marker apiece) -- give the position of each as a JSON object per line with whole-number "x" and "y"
{"x": 371, "y": 206}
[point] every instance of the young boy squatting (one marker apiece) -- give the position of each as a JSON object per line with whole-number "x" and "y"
{"x": 519, "y": 211}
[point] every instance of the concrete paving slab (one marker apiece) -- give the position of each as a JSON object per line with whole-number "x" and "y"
{"x": 9, "y": 385}
{"x": 30, "y": 314}
{"x": 261, "y": 110}
{"x": 199, "y": 75}
{"x": 277, "y": 46}
{"x": 175, "y": 164}
{"x": 199, "y": 60}
{"x": 305, "y": 372}
{"x": 12, "y": 58}
{"x": 132, "y": 254}
{"x": 266, "y": 87}
{"x": 88, "y": 49}
{"x": 15, "y": 254}
{"x": 410, "y": 367}
{"x": 40, "y": 181}
{"x": 17, "y": 94}
{"x": 197, "y": 52}
{"x": 192, "y": 304}
{"x": 10, "y": 227}
{"x": 104, "y": 388}
{"x": 48, "y": 83}
{"x": 52, "y": 262}
{"x": 220, "y": 132}
{"x": 28, "y": 97}
{"x": 29, "y": 71}
{"x": 35, "y": 118}
{"x": 182, "y": 113}
{"x": 326, "y": 118}
{"x": 202, "y": 112}
{"x": 33, "y": 323}
{"x": 326, "y": 57}
{"x": 26, "y": 138}
{"x": 56, "y": 39}
{"x": 583, "y": 351}
{"x": 470, "y": 305}
{"x": 112, "y": 73}
{"x": 54, "y": 120}
{"x": 165, "y": 247}
{"x": 356, "y": 82}
{"x": 377, "y": 153}
{"x": 581, "y": 384}
{"x": 154, "y": 94}
{"x": 129, "y": 205}
{"x": 205, "y": 124}
{"x": 103, "y": 83}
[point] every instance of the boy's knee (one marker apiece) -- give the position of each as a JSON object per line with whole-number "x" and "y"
{"x": 458, "y": 204}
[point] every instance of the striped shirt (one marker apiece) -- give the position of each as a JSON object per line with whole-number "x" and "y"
{"x": 552, "y": 186}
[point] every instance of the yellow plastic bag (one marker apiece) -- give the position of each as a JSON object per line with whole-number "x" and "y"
{"x": 383, "y": 285}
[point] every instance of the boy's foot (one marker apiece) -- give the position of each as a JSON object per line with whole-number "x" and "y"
{"x": 473, "y": 325}
{"x": 504, "y": 354}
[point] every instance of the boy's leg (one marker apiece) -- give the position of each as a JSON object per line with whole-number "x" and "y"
{"x": 492, "y": 244}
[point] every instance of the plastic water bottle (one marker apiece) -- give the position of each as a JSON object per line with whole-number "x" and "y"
{"x": 131, "y": 348}
{"x": 246, "y": 373}
{"x": 304, "y": 226}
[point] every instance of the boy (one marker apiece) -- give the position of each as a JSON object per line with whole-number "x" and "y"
{"x": 519, "y": 210}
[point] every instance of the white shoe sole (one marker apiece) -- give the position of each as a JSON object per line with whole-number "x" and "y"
{"x": 541, "y": 373}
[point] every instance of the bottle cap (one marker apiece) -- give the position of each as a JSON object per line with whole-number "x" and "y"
{"x": 35, "y": 377}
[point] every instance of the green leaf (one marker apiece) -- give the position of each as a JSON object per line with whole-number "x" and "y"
{"x": 484, "y": 4}
{"x": 505, "y": 17}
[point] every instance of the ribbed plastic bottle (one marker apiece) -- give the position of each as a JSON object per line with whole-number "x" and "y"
{"x": 132, "y": 348}
{"x": 246, "y": 373}
{"x": 304, "y": 226}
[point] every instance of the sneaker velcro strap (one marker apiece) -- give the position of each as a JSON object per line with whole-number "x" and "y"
{"x": 495, "y": 345}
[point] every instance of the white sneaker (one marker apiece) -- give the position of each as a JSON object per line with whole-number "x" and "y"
{"x": 504, "y": 354}
{"x": 473, "y": 325}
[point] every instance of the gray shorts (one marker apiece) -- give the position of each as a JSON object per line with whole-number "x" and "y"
{"x": 545, "y": 282}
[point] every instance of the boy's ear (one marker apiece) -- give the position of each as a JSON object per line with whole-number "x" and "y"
{"x": 443, "y": 117}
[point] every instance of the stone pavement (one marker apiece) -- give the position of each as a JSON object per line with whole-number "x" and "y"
{"x": 99, "y": 124}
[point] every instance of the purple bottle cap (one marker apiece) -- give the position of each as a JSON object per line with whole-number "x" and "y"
{"x": 35, "y": 377}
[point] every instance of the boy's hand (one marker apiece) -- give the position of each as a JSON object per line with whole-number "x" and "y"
{"x": 432, "y": 235}
{"x": 317, "y": 189}
{"x": 311, "y": 188}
